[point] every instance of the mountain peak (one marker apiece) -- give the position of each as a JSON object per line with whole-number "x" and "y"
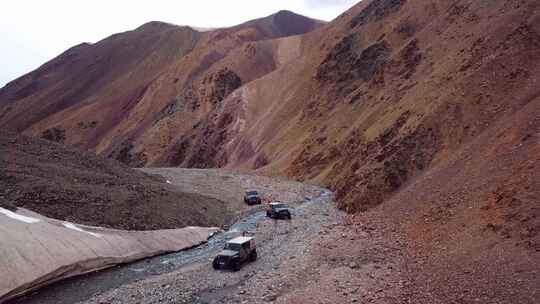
{"x": 286, "y": 12}
{"x": 284, "y": 23}
{"x": 157, "y": 25}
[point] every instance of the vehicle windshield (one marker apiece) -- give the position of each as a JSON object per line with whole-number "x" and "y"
{"x": 252, "y": 193}
{"x": 279, "y": 206}
{"x": 233, "y": 246}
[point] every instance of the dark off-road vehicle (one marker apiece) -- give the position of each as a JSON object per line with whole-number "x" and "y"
{"x": 278, "y": 211}
{"x": 252, "y": 198}
{"x": 236, "y": 252}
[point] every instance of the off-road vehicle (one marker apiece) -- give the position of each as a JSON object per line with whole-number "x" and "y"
{"x": 252, "y": 198}
{"x": 235, "y": 253}
{"x": 278, "y": 210}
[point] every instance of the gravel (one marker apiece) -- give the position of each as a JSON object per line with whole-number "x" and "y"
{"x": 320, "y": 256}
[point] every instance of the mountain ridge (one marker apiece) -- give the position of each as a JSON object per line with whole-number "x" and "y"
{"x": 129, "y": 90}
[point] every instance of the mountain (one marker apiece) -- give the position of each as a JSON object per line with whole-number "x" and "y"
{"x": 425, "y": 113}
{"x": 139, "y": 88}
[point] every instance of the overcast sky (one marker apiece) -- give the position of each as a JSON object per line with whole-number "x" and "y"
{"x": 35, "y": 31}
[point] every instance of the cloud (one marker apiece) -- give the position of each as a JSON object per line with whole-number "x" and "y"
{"x": 325, "y": 4}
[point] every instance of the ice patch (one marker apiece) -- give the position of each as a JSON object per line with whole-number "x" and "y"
{"x": 73, "y": 227}
{"x": 18, "y": 217}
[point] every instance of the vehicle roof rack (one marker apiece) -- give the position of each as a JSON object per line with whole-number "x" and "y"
{"x": 240, "y": 240}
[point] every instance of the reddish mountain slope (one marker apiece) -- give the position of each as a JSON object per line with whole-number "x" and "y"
{"x": 376, "y": 97}
{"x": 107, "y": 77}
{"x": 139, "y": 88}
{"x": 431, "y": 109}
{"x": 472, "y": 222}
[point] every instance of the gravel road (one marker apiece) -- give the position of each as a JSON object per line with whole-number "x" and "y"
{"x": 194, "y": 280}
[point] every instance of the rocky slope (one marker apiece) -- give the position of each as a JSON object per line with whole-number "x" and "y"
{"x": 472, "y": 222}
{"x": 68, "y": 184}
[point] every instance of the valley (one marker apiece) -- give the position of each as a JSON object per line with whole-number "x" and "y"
{"x": 289, "y": 253}
{"x": 405, "y": 135}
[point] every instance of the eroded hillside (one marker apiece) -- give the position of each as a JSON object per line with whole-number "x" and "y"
{"x": 131, "y": 95}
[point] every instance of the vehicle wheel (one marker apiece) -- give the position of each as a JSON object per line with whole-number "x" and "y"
{"x": 236, "y": 265}
{"x": 215, "y": 264}
{"x": 288, "y": 216}
{"x": 268, "y": 214}
{"x": 253, "y": 256}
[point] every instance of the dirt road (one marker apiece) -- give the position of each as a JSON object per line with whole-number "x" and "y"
{"x": 315, "y": 257}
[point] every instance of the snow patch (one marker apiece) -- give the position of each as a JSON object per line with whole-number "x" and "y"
{"x": 74, "y": 227}
{"x": 169, "y": 182}
{"x": 18, "y": 217}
